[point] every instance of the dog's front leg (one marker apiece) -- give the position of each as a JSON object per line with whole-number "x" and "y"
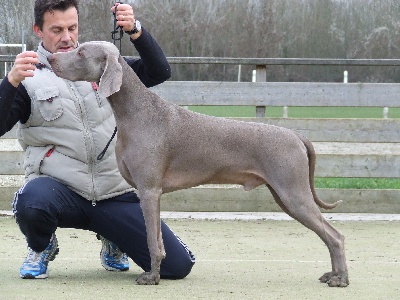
{"x": 150, "y": 204}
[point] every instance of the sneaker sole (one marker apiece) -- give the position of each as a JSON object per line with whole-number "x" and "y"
{"x": 30, "y": 276}
{"x": 108, "y": 268}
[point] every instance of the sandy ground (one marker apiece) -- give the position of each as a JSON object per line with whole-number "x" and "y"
{"x": 236, "y": 259}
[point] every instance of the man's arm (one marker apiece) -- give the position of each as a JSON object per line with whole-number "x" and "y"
{"x": 15, "y": 105}
{"x": 152, "y": 67}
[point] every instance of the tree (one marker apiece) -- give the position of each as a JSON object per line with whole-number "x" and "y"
{"x": 244, "y": 28}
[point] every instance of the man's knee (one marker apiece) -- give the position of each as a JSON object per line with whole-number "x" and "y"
{"x": 36, "y": 225}
{"x": 179, "y": 271}
{"x": 30, "y": 215}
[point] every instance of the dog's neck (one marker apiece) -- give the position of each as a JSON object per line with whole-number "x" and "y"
{"x": 134, "y": 99}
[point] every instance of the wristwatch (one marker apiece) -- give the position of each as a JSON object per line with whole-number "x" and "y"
{"x": 135, "y": 29}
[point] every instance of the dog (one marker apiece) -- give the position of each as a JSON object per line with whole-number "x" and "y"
{"x": 162, "y": 147}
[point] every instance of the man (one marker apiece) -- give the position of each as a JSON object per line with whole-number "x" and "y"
{"x": 63, "y": 126}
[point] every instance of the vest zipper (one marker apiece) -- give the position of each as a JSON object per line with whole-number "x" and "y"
{"x": 88, "y": 139}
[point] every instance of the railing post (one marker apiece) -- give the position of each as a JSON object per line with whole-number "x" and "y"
{"x": 386, "y": 112}
{"x": 261, "y": 76}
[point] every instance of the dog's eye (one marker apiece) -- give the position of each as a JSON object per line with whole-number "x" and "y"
{"x": 80, "y": 53}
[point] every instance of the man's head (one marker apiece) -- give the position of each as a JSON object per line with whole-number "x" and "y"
{"x": 56, "y": 24}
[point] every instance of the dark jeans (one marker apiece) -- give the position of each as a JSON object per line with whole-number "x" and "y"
{"x": 44, "y": 204}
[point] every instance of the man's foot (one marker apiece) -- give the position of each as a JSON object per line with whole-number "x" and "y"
{"x": 35, "y": 264}
{"x": 111, "y": 257}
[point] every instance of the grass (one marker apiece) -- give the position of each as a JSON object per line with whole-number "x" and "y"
{"x": 297, "y": 112}
{"x": 317, "y": 112}
{"x": 357, "y": 183}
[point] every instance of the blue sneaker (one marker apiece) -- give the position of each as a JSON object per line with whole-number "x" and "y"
{"x": 111, "y": 257}
{"x": 35, "y": 264}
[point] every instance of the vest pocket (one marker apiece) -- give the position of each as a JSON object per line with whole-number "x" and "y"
{"x": 49, "y": 102}
{"x": 34, "y": 158}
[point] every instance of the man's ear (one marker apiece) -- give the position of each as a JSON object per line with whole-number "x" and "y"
{"x": 111, "y": 80}
{"x": 38, "y": 31}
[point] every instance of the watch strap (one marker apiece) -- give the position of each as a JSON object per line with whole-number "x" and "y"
{"x": 135, "y": 29}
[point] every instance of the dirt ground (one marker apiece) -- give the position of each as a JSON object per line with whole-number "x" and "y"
{"x": 257, "y": 259}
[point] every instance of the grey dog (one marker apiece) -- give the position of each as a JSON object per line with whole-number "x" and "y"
{"x": 162, "y": 147}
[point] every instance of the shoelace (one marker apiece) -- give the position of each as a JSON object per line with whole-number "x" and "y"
{"x": 33, "y": 257}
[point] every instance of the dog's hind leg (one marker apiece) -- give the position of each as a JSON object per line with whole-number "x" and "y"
{"x": 302, "y": 208}
{"x": 278, "y": 200}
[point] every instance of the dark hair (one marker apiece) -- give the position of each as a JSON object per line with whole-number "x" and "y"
{"x": 43, "y": 6}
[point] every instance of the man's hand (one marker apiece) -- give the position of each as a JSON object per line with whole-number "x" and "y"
{"x": 23, "y": 66}
{"x": 125, "y": 18}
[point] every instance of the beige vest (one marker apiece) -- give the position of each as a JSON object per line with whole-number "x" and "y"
{"x": 69, "y": 126}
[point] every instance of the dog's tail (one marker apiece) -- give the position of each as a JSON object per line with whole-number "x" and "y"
{"x": 311, "y": 163}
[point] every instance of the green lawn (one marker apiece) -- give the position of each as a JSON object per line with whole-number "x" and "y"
{"x": 358, "y": 183}
{"x": 297, "y": 112}
{"x": 317, "y": 112}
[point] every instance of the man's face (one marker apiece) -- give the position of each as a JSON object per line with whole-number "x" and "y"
{"x": 60, "y": 30}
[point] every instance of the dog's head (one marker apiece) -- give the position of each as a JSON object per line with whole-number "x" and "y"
{"x": 93, "y": 62}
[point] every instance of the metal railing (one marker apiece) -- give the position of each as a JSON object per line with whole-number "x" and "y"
{"x": 269, "y": 61}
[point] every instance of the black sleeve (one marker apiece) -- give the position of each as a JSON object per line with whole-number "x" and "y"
{"x": 15, "y": 105}
{"x": 152, "y": 68}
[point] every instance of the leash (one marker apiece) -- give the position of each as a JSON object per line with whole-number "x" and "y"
{"x": 101, "y": 155}
{"x": 117, "y": 29}
{"x": 115, "y": 38}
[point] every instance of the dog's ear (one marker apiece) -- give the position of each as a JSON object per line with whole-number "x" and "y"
{"x": 111, "y": 80}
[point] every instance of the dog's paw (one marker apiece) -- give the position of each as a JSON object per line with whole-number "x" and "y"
{"x": 148, "y": 278}
{"x": 338, "y": 281}
{"x": 335, "y": 280}
{"x": 326, "y": 277}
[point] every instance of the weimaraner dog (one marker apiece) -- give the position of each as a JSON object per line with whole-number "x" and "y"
{"x": 162, "y": 147}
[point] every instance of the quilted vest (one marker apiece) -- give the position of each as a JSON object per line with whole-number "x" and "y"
{"x": 68, "y": 127}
